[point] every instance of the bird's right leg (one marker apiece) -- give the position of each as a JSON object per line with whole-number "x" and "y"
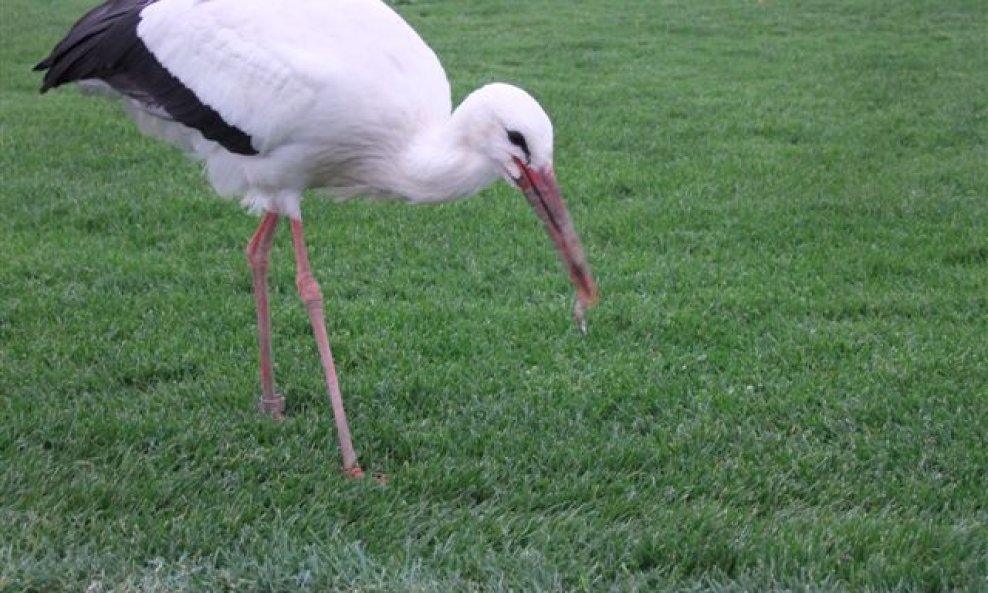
{"x": 311, "y": 294}
{"x": 258, "y": 251}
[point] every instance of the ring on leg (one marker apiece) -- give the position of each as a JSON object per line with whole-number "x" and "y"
{"x": 273, "y": 406}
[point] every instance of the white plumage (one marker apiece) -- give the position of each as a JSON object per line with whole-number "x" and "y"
{"x": 279, "y": 97}
{"x": 292, "y": 74}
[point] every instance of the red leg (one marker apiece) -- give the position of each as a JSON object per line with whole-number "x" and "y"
{"x": 257, "y": 255}
{"x": 311, "y": 295}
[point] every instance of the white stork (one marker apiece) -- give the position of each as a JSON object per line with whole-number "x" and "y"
{"x": 343, "y": 95}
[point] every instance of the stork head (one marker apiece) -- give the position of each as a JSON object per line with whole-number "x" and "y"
{"x": 515, "y": 134}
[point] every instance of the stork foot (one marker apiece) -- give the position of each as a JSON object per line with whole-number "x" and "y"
{"x": 354, "y": 473}
{"x": 273, "y": 406}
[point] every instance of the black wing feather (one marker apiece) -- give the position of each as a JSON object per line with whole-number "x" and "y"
{"x": 104, "y": 45}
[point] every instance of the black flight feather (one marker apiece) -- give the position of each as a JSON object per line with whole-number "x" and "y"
{"x": 104, "y": 45}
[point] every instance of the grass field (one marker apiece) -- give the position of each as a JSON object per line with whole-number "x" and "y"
{"x": 785, "y": 384}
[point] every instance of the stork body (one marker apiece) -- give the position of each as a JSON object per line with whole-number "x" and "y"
{"x": 279, "y": 97}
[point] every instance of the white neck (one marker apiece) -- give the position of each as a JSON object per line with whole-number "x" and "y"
{"x": 444, "y": 162}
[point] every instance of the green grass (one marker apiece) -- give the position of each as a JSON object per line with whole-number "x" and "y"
{"x": 784, "y": 386}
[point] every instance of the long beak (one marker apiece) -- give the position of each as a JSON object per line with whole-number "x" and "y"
{"x": 542, "y": 192}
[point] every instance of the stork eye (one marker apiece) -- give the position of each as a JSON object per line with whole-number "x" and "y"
{"x": 515, "y": 137}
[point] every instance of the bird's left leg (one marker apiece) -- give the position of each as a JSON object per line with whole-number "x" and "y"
{"x": 258, "y": 251}
{"x": 311, "y": 295}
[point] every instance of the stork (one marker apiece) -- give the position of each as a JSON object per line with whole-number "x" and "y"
{"x": 341, "y": 95}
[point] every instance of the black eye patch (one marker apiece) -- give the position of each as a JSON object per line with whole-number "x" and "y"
{"x": 515, "y": 137}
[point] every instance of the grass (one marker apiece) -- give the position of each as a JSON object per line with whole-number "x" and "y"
{"x": 784, "y": 386}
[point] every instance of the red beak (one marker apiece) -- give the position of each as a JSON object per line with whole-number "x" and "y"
{"x": 542, "y": 192}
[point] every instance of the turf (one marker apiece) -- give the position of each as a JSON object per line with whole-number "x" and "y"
{"x": 784, "y": 385}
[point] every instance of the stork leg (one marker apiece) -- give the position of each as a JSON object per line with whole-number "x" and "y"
{"x": 258, "y": 251}
{"x": 311, "y": 295}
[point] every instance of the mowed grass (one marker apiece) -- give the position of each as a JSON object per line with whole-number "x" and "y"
{"x": 785, "y": 384}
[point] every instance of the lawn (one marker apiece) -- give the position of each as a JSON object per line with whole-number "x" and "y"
{"x": 784, "y": 386}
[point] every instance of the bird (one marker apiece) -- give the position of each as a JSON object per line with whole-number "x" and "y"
{"x": 339, "y": 96}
